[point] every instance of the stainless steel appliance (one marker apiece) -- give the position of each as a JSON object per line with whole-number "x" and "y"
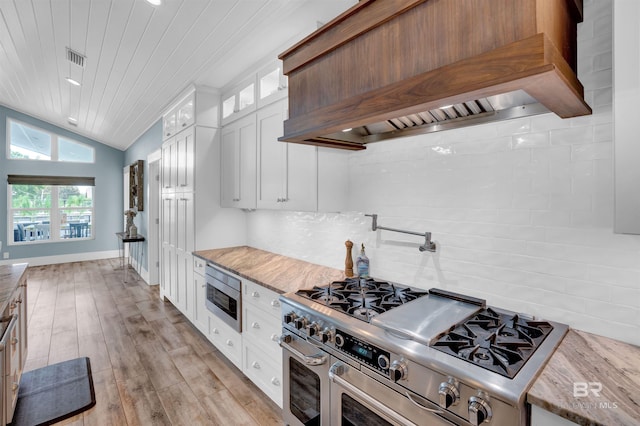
{"x": 224, "y": 296}
{"x": 373, "y": 352}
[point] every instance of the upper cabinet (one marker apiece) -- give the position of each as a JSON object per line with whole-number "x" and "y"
{"x": 626, "y": 90}
{"x": 238, "y": 164}
{"x": 201, "y": 106}
{"x": 287, "y": 174}
{"x": 239, "y": 100}
{"x": 272, "y": 84}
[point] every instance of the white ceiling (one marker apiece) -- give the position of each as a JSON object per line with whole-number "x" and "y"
{"x": 138, "y": 56}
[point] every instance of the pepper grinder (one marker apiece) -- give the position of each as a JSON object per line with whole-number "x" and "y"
{"x": 348, "y": 261}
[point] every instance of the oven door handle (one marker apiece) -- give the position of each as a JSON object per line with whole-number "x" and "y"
{"x": 316, "y": 359}
{"x": 338, "y": 368}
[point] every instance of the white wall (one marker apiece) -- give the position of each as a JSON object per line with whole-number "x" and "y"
{"x": 522, "y": 210}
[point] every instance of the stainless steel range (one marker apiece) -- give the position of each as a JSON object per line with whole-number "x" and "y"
{"x": 367, "y": 352}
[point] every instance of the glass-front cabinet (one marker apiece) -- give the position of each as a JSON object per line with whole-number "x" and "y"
{"x": 272, "y": 83}
{"x": 239, "y": 100}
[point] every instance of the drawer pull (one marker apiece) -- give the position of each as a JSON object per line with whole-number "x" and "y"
{"x": 275, "y": 338}
{"x": 255, "y": 365}
{"x": 215, "y": 331}
{"x": 14, "y": 341}
{"x": 255, "y": 294}
{"x": 229, "y": 342}
{"x": 275, "y": 303}
{"x": 255, "y": 325}
{"x": 14, "y": 387}
{"x": 275, "y": 381}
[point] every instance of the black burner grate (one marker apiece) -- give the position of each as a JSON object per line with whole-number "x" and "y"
{"x": 362, "y": 298}
{"x": 498, "y": 342}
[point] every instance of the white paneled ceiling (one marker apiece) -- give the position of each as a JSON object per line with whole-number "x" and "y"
{"x": 138, "y": 56}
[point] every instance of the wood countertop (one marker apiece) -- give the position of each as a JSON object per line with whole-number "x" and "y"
{"x": 588, "y": 361}
{"x": 10, "y": 276}
{"x": 279, "y": 273}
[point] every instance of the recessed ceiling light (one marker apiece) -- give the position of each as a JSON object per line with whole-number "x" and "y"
{"x": 155, "y": 2}
{"x": 72, "y": 81}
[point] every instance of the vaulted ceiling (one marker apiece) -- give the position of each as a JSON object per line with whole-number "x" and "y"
{"x": 137, "y": 57}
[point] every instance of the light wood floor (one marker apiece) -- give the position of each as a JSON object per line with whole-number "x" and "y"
{"x": 150, "y": 365}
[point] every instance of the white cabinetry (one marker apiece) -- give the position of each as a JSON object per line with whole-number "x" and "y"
{"x": 199, "y": 316}
{"x": 238, "y": 165}
{"x": 541, "y": 417}
{"x": 239, "y": 100}
{"x": 226, "y": 339}
{"x": 271, "y": 83}
{"x": 262, "y": 355}
{"x": 287, "y": 173}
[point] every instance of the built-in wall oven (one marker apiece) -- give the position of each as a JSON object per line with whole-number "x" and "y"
{"x": 224, "y": 296}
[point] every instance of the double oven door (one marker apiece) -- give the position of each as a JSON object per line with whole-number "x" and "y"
{"x": 320, "y": 389}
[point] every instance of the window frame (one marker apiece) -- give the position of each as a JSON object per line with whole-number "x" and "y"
{"x": 55, "y": 146}
{"x": 54, "y": 216}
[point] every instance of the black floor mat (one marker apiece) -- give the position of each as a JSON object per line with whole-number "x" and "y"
{"x": 55, "y": 392}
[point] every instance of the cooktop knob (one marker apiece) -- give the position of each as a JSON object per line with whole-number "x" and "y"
{"x": 448, "y": 393}
{"x": 312, "y": 329}
{"x": 325, "y": 335}
{"x": 479, "y": 410}
{"x": 339, "y": 340}
{"x": 397, "y": 370}
{"x": 288, "y": 318}
{"x": 300, "y": 323}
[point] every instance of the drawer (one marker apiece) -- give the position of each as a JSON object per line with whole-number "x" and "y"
{"x": 265, "y": 372}
{"x": 260, "y": 296}
{"x": 198, "y": 265}
{"x": 227, "y": 340}
{"x": 262, "y": 329}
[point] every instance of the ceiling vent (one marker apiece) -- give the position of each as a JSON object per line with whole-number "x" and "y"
{"x": 75, "y": 57}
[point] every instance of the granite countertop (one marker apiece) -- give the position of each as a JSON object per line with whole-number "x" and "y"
{"x": 582, "y": 363}
{"x": 279, "y": 273}
{"x": 10, "y": 276}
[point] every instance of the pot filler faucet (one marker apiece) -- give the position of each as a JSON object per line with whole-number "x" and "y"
{"x": 428, "y": 244}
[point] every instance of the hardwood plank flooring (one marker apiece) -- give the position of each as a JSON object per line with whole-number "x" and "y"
{"x": 150, "y": 366}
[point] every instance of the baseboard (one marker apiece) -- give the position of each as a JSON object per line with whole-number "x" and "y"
{"x": 63, "y": 258}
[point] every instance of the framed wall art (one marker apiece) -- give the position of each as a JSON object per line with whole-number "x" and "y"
{"x": 136, "y": 185}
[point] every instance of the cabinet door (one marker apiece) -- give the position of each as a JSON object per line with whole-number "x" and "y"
{"x": 272, "y": 84}
{"x": 185, "y": 115}
{"x": 239, "y": 164}
{"x": 301, "y": 191}
{"x": 184, "y": 282}
{"x": 168, "y": 228}
{"x": 185, "y": 218}
{"x": 199, "y": 310}
{"x": 169, "y": 272}
{"x": 272, "y": 156}
{"x": 169, "y": 125}
{"x": 184, "y": 151}
{"x": 169, "y": 165}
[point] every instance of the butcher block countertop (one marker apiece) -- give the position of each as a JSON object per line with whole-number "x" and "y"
{"x": 279, "y": 273}
{"x": 589, "y": 360}
{"x": 10, "y": 276}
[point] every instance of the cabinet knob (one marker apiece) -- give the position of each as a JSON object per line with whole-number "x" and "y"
{"x": 275, "y": 303}
{"x": 14, "y": 341}
{"x": 275, "y": 337}
{"x": 184, "y": 124}
{"x": 255, "y": 365}
{"x": 275, "y": 381}
{"x": 255, "y": 294}
{"x": 215, "y": 331}
{"x": 229, "y": 342}
{"x": 14, "y": 387}
{"x": 255, "y": 325}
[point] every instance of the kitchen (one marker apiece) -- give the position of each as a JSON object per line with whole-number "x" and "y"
{"x": 520, "y": 210}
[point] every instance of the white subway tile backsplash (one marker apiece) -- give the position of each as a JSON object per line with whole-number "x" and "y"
{"x": 521, "y": 210}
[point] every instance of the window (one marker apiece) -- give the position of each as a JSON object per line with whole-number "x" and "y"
{"x": 50, "y": 209}
{"x": 31, "y": 143}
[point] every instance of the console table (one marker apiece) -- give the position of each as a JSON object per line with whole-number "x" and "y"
{"x": 124, "y": 238}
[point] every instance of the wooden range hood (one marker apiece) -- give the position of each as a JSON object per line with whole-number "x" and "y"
{"x": 388, "y": 68}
